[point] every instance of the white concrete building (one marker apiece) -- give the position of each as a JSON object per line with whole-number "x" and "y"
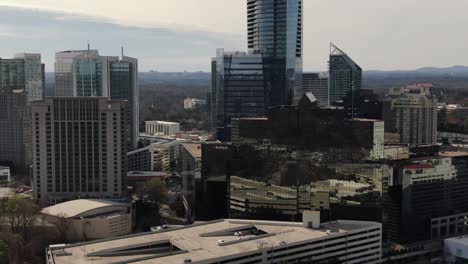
{"x": 5, "y": 174}
{"x": 193, "y": 103}
{"x": 91, "y": 219}
{"x": 162, "y": 128}
{"x": 235, "y": 241}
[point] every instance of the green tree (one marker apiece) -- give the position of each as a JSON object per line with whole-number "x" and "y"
{"x": 4, "y": 252}
{"x": 156, "y": 191}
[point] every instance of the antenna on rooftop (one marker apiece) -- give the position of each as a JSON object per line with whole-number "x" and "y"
{"x": 122, "y": 49}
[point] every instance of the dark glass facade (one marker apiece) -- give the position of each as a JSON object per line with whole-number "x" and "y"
{"x": 122, "y": 76}
{"x": 345, "y": 75}
{"x": 238, "y": 89}
{"x": 89, "y": 77}
{"x": 275, "y": 30}
{"x": 305, "y": 158}
{"x": 15, "y": 123}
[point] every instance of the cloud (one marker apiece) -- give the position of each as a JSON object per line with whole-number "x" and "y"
{"x": 159, "y": 48}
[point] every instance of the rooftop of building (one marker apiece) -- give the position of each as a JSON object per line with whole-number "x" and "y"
{"x": 193, "y": 148}
{"x": 162, "y": 122}
{"x": 453, "y": 153}
{"x": 200, "y": 242}
{"x": 366, "y": 120}
{"x": 461, "y": 240}
{"x": 255, "y": 118}
{"x": 75, "y": 208}
{"x": 145, "y": 174}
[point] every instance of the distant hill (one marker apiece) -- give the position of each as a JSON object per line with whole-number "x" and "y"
{"x": 455, "y": 77}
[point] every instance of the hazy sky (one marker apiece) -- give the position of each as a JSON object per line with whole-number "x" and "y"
{"x": 176, "y": 35}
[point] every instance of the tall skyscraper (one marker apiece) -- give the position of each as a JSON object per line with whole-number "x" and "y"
{"x": 123, "y": 76}
{"x": 33, "y": 75}
{"x": 237, "y": 89}
{"x": 64, "y": 72}
{"x": 317, "y": 84}
{"x": 345, "y": 75}
{"x": 275, "y": 30}
{"x": 14, "y": 116}
{"x": 86, "y": 73}
{"x": 411, "y": 111}
{"x": 79, "y": 148}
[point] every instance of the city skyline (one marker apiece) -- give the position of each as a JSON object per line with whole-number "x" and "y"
{"x": 149, "y": 29}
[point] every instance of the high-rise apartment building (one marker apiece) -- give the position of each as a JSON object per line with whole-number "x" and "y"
{"x": 237, "y": 90}
{"x": 275, "y": 30}
{"x": 411, "y": 111}
{"x": 345, "y": 75}
{"x": 317, "y": 84}
{"x": 86, "y": 73}
{"x": 79, "y": 148}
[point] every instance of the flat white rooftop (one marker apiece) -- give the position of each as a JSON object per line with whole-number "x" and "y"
{"x": 207, "y": 242}
{"x": 161, "y": 123}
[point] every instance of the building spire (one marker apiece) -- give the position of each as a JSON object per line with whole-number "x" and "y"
{"x": 122, "y": 50}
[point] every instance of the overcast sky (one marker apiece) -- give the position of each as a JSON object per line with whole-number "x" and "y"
{"x": 177, "y": 35}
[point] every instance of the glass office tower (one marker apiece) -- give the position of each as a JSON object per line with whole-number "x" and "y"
{"x": 345, "y": 75}
{"x": 64, "y": 80}
{"x": 33, "y": 75}
{"x": 89, "y": 75}
{"x": 275, "y": 30}
{"x": 237, "y": 89}
{"x": 123, "y": 86}
{"x": 15, "y": 124}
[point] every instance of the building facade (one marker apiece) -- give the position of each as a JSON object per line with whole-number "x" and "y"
{"x": 456, "y": 250}
{"x": 274, "y": 29}
{"x": 345, "y": 75}
{"x": 411, "y": 111}
{"x": 123, "y": 75}
{"x": 162, "y": 128}
{"x": 88, "y": 219}
{"x": 193, "y": 103}
{"x": 86, "y": 73}
{"x": 160, "y": 156}
{"x": 64, "y": 71}
{"x": 15, "y": 124}
{"x": 5, "y": 175}
{"x": 317, "y": 84}
{"x": 33, "y": 75}
{"x": 238, "y": 89}
{"x": 79, "y": 148}
{"x": 426, "y": 191}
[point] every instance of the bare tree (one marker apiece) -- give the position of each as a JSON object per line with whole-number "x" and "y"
{"x": 62, "y": 226}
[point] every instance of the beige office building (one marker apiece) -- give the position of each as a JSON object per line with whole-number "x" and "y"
{"x": 79, "y": 148}
{"x": 411, "y": 112}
